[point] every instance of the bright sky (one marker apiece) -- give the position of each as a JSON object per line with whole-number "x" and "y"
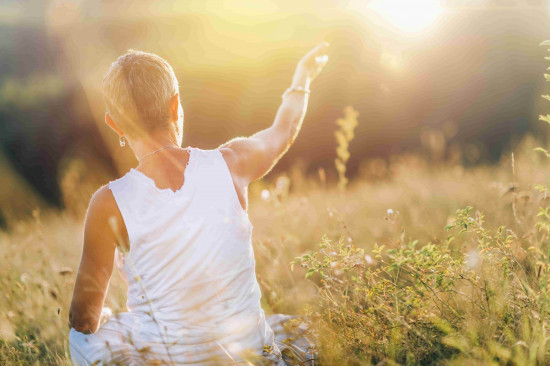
{"x": 406, "y": 15}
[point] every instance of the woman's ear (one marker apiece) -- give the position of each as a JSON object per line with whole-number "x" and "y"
{"x": 109, "y": 121}
{"x": 174, "y": 107}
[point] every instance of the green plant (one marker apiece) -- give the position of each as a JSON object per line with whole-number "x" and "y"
{"x": 429, "y": 303}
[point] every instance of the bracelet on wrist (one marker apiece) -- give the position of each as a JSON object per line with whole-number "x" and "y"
{"x": 295, "y": 88}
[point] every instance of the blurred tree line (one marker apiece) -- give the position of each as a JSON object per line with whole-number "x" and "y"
{"x": 470, "y": 84}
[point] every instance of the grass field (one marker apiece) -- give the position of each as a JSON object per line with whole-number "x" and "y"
{"x": 394, "y": 274}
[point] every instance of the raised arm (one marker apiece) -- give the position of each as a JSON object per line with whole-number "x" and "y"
{"x": 250, "y": 158}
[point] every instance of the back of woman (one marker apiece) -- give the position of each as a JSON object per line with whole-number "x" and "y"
{"x": 177, "y": 228}
{"x": 190, "y": 265}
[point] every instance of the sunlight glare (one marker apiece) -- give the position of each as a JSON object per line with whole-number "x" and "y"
{"x": 391, "y": 61}
{"x": 408, "y": 15}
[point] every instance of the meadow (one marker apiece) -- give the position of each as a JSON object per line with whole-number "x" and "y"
{"x": 414, "y": 262}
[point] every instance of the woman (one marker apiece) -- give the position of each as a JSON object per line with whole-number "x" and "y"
{"x": 178, "y": 229}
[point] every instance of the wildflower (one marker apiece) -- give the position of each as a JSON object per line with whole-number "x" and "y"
{"x": 369, "y": 259}
{"x": 30, "y": 344}
{"x": 391, "y": 215}
{"x": 392, "y": 212}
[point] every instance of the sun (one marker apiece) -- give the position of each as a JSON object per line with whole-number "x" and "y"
{"x": 408, "y": 15}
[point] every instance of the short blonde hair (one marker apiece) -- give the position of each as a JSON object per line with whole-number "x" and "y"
{"x": 137, "y": 90}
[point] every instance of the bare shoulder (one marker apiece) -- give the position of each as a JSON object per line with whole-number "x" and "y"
{"x": 104, "y": 215}
{"x": 230, "y": 156}
{"x": 234, "y": 163}
{"x": 243, "y": 156}
{"x": 103, "y": 202}
{"x": 233, "y": 158}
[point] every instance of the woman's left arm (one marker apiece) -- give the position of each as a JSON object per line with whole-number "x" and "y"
{"x": 96, "y": 263}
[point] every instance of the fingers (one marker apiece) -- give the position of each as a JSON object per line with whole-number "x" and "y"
{"x": 320, "y": 54}
{"x": 319, "y": 50}
{"x": 314, "y": 61}
{"x": 316, "y": 56}
{"x": 321, "y": 59}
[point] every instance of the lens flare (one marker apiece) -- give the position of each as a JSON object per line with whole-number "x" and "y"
{"x": 408, "y": 15}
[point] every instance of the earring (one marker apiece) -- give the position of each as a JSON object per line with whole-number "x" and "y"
{"x": 122, "y": 141}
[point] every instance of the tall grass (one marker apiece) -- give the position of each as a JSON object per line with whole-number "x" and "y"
{"x": 344, "y": 135}
{"x": 418, "y": 261}
{"x": 396, "y": 286}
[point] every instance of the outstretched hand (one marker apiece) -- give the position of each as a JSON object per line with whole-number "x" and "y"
{"x": 313, "y": 62}
{"x": 253, "y": 157}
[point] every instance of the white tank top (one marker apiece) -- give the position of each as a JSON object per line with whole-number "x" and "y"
{"x": 192, "y": 288}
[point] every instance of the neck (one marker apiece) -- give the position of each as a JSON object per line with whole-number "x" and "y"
{"x": 152, "y": 142}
